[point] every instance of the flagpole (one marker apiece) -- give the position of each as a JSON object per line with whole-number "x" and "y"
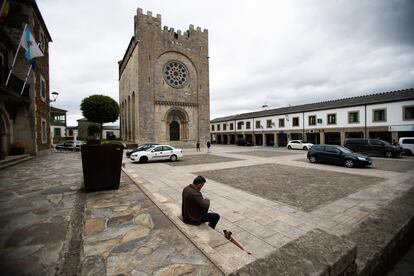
{"x": 25, "y": 80}
{"x": 15, "y": 56}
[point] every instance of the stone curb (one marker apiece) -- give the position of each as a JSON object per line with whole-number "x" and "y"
{"x": 15, "y": 162}
{"x": 176, "y": 223}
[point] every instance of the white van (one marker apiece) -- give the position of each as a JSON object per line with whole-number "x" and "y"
{"x": 407, "y": 143}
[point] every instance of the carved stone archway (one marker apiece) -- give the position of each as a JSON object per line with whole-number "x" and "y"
{"x": 176, "y": 123}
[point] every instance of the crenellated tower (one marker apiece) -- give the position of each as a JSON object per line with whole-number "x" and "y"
{"x": 164, "y": 84}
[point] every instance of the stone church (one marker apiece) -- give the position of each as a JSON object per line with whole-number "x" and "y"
{"x": 164, "y": 84}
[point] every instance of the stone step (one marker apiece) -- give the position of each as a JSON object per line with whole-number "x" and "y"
{"x": 13, "y": 160}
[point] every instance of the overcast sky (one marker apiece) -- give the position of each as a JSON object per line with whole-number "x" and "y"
{"x": 277, "y": 53}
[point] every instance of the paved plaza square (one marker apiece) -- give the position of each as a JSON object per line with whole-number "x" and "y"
{"x": 273, "y": 200}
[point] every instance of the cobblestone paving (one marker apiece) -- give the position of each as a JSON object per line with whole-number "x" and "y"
{"x": 125, "y": 233}
{"x": 269, "y": 153}
{"x": 392, "y": 165}
{"x": 201, "y": 159}
{"x": 37, "y": 203}
{"x": 305, "y": 188}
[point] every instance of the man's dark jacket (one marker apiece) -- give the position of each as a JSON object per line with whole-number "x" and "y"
{"x": 194, "y": 205}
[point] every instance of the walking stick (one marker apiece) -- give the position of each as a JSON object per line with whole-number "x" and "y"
{"x": 228, "y": 236}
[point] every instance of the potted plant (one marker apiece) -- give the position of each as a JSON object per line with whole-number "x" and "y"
{"x": 101, "y": 164}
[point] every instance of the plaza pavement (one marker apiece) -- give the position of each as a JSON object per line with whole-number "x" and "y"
{"x": 49, "y": 226}
{"x": 262, "y": 225}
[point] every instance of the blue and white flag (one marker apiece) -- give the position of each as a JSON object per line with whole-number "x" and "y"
{"x": 30, "y": 45}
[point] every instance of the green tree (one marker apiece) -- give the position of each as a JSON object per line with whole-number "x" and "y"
{"x": 100, "y": 109}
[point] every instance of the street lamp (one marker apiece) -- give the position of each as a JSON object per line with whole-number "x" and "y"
{"x": 54, "y": 96}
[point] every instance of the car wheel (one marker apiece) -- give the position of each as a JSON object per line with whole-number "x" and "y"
{"x": 143, "y": 159}
{"x": 173, "y": 158}
{"x": 305, "y": 148}
{"x": 407, "y": 152}
{"x": 349, "y": 163}
{"x": 388, "y": 154}
{"x": 312, "y": 159}
{"x": 289, "y": 147}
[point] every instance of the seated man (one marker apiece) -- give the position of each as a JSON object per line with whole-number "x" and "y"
{"x": 194, "y": 207}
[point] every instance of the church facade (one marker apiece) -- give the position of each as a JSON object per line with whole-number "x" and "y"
{"x": 164, "y": 84}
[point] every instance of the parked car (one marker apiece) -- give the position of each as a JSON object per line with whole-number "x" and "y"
{"x": 337, "y": 155}
{"x": 70, "y": 145}
{"x": 244, "y": 142}
{"x": 158, "y": 152}
{"x": 407, "y": 144}
{"x": 299, "y": 144}
{"x": 140, "y": 148}
{"x": 373, "y": 147}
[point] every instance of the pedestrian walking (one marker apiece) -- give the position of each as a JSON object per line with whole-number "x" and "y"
{"x": 198, "y": 146}
{"x": 208, "y": 146}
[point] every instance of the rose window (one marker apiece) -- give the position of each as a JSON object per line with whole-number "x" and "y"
{"x": 175, "y": 74}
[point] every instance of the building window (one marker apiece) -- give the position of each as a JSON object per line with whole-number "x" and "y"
{"x": 43, "y": 89}
{"x": 281, "y": 122}
{"x": 247, "y": 125}
{"x": 379, "y": 115}
{"x": 224, "y": 126}
{"x": 231, "y": 126}
{"x": 240, "y": 125}
{"x": 258, "y": 124}
{"x": 218, "y": 127}
{"x": 44, "y": 131}
{"x": 312, "y": 120}
{"x": 331, "y": 119}
{"x": 408, "y": 112}
{"x": 269, "y": 123}
{"x": 70, "y": 132}
{"x": 212, "y": 127}
{"x": 57, "y": 132}
{"x": 353, "y": 117}
{"x": 295, "y": 121}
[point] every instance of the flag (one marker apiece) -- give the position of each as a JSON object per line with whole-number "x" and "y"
{"x": 30, "y": 45}
{"x": 4, "y": 10}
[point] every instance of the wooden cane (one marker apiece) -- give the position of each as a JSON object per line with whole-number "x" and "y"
{"x": 228, "y": 236}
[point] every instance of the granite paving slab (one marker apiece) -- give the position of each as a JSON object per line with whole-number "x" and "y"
{"x": 269, "y": 153}
{"x": 38, "y": 205}
{"x": 305, "y": 188}
{"x": 125, "y": 233}
{"x": 201, "y": 159}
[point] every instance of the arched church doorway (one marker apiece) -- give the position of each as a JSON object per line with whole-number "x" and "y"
{"x": 176, "y": 120}
{"x": 174, "y": 131}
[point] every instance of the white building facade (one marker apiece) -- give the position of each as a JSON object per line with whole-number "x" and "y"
{"x": 387, "y": 116}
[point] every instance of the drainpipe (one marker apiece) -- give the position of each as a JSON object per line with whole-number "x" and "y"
{"x": 253, "y": 137}
{"x": 303, "y": 126}
{"x": 365, "y": 135}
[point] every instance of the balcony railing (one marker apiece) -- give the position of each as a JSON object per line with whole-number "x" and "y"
{"x": 15, "y": 84}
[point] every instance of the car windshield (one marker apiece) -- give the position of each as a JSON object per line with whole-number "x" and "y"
{"x": 344, "y": 150}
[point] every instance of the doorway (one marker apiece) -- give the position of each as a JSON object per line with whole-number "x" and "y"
{"x": 174, "y": 131}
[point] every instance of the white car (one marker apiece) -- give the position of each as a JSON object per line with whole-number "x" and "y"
{"x": 157, "y": 152}
{"x": 298, "y": 144}
{"x": 407, "y": 143}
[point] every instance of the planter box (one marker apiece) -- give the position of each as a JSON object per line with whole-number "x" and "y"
{"x": 101, "y": 166}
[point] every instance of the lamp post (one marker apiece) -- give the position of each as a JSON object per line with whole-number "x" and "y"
{"x": 54, "y": 96}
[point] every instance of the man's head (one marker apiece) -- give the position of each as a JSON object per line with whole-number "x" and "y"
{"x": 199, "y": 181}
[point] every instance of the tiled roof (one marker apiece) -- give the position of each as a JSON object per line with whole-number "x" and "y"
{"x": 392, "y": 96}
{"x": 55, "y": 109}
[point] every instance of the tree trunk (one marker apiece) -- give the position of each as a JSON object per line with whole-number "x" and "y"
{"x": 100, "y": 134}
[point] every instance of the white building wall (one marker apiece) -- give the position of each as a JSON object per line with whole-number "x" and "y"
{"x": 394, "y": 117}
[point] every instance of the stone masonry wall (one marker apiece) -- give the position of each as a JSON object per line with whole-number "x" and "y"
{"x": 151, "y": 48}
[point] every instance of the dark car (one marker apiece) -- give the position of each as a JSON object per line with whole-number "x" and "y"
{"x": 337, "y": 155}
{"x": 140, "y": 148}
{"x": 373, "y": 147}
{"x": 68, "y": 145}
{"x": 244, "y": 142}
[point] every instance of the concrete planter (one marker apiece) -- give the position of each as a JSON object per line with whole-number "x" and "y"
{"x": 101, "y": 166}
